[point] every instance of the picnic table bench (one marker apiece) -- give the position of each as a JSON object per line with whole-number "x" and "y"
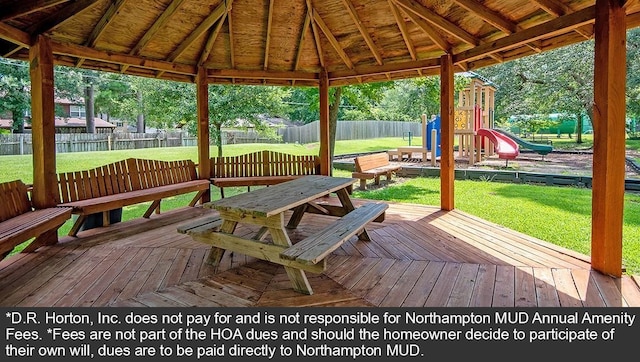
{"x": 372, "y": 167}
{"x": 127, "y": 182}
{"x": 262, "y": 168}
{"x": 20, "y": 222}
{"x": 266, "y": 208}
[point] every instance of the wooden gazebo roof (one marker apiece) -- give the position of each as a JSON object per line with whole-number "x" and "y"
{"x": 289, "y": 41}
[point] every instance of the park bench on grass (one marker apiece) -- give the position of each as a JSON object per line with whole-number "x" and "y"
{"x": 262, "y": 168}
{"x": 315, "y": 248}
{"x": 19, "y": 221}
{"x": 373, "y": 166}
{"x": 127, "y": 182}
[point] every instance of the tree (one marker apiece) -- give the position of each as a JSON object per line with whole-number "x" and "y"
{"x": 355, "y": 102}
{"x": 633, "y": 79}
{"x": 15, "y": 87}
{"x": 558, "y": 81}
{"x": 230, "y": 103}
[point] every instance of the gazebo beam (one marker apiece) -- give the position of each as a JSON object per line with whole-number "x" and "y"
{"x": 45, "y": 187}
{"x": 609, "y": 137}
{"x": 447, "y": 161}
{"x": 202, "y": 100}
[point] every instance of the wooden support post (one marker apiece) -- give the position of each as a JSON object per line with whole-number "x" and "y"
{"x": 447, "y": 160}
{"x": 45, "y": 186}
{"x": 204, "y": 165}
{"x": 325, "y": 152}
{"x": 609, "y": 137}
{"x": 424, "y": 133}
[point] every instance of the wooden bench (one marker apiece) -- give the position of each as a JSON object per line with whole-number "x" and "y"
{"x": 316, "y": 247}
{"x": 262, "y": 168}
{"x": 128, "y": 182}
{"x": 20, "y": 222}
{"x": 372, "y": 167}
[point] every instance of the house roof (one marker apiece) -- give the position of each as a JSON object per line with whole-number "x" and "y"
{"x": 289, "y": 42}
{"x": 82, "y": 122}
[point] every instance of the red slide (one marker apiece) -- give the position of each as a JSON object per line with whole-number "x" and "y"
{"x": 505, "y": 147}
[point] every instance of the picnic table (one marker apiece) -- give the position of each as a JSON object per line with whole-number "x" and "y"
{"x": 266, "y": 208}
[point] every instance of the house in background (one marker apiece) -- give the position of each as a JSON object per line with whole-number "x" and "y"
{"x": 70, "y": 118}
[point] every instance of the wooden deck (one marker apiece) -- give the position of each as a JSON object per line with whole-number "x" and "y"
{"x": 419, "y": 256}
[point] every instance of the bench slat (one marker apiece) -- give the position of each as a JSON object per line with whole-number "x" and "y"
{"x": 209, "y": 223}
{"x": 316, "y": 247}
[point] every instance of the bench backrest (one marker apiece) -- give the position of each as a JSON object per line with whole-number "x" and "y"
{"x": 264, "y": 163}
{"x": 14, "y": 199}
{"x": 145, "y": 174}
{"x": 369, "y": 162}
{"x": 123, "y": 176}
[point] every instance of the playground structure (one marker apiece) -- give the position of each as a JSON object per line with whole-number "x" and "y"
{"x": 475, "y": 111}
{"x": 473, "y": 125}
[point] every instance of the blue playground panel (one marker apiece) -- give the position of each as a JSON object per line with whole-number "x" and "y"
{"x": 431, "y": 125}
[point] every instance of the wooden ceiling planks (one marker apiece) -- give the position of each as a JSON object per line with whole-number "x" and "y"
{"x": 290, "y": 41}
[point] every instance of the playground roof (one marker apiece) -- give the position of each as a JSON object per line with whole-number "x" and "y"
{"x": 289, "y": 42}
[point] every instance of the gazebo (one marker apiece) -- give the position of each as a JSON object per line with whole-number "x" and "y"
{"x": 324, "y": 44}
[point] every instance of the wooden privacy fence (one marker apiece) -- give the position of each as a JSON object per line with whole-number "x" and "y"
{"x": 352, "y": 130}
{"x": 21, "y": 144}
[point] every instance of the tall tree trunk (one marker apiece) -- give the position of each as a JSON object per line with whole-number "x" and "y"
{"x": 578, "y": 128}
{"x": 18, "y": 121}
{"x": 89, "y": 112}
{"x": 218, "y": 137}
{"x": 140, "y": 121}
{"x": 333, "y": 123}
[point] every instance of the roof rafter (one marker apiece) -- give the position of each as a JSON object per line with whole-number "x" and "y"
{"x": 552, "y": 7}
{"x": 550, "y": 28}
{"x": 403, "y": 29}
{"x": 305, "y": 29}
{"x": 151, "y": 32}
{"x": 437, "y": 20}
{"x": 488, "y": 15}
{"x": 316, "y": 33}
{"x": 268, "y": 40}
{"x": 232, "y": 55}
{"x": 205, "y": 25}
{"x": 211, "y": 40}
{"x": 440, "y": 41}
{"x": 58, "y": 18}
{"x": 332, "y": 39}
{"x": 26, "y": 7}
{"x": 556, "y": 9}
{"x": 101, "y": 26}
{"x": 160, "y": 22}
{"x": 105, "y": 20}
{"x": 365, "y": 34}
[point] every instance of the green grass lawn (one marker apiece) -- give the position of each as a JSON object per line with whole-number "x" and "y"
{"x": 561, "y": 215}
